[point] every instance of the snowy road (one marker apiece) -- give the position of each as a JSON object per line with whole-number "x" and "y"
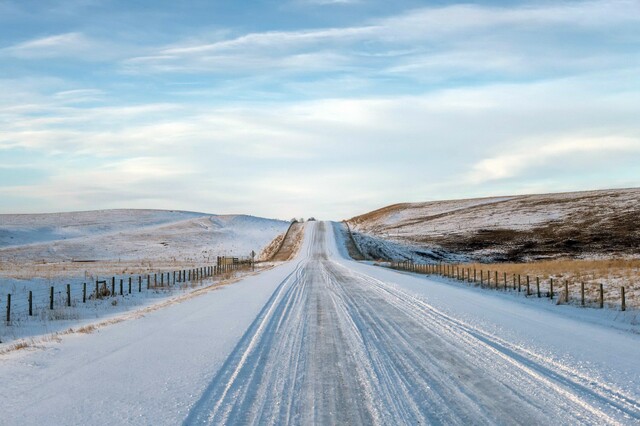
{"x": 325, "y": 340}
{"x": 337, "y": 346}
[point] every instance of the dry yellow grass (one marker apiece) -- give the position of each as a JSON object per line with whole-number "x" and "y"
{"x": 611, "y": 273}
{"x": 291, "y": 244}
{"x": 57, "y": 270}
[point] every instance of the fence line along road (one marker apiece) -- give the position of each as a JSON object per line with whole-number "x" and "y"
{"x": 43, "y": 298}
{"x": 560, "y": 290}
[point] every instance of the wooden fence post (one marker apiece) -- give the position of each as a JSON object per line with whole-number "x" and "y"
{"x": 566, "y": 291}
{"x": 582, "y": 293}
{"x": 9, "y": 308}
{"x": 538, "y": 285}
{"x": 121, "y": 292}
{"x": 519, "y": 285}
{"x": 528, "y": 287}
{"x": 68, "y": 294}
{"x": 505, "y": 281}
{"x": 129, "y": 285}
{"x": 601, "y": 297}
{"x": 139, "y": 284}
{"x": 623, "y": 306}
{"x": 496, "y": 280}
{"x": 148, "y": 281}
{"x": 97, "y": 289}
{"x": 51, "y": 298}
{"x": 551, "y": 288}
{"x": 84, "y": 292}
{"x": 113, "y": 286}
{"x": 30, "y": 303}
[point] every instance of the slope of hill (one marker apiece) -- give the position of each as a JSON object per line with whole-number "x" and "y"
{"x": 132, "y": 235}
{"x": 516, "y": 228}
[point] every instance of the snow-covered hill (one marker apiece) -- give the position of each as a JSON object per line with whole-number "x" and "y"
{"x": 578, "y": 224}
{"x": 132, "y": 235}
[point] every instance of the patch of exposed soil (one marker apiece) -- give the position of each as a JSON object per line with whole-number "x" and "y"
{"x": 519, "y": 228}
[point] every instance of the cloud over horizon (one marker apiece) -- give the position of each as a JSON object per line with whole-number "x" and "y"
{"x": 316, "y": 116}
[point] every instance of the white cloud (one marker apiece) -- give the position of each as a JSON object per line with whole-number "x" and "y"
{"x": 466, "y": 32}
{"x": 538, "y": 153}
{"x": 71, "y": 45}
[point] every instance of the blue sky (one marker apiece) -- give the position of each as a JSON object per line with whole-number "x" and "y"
{"x": 327, "y": 108}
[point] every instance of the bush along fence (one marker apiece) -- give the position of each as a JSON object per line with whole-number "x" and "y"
{"x": 562, "y": 291}
{"x": 48, "y": 298}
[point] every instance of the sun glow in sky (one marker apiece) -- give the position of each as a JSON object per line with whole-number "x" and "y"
{"x": 325, "y": 108}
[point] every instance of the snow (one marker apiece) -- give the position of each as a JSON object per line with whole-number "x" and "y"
{"x": 147, "y": 370}
{"x": 39, "y": 252}
{"x": 432, "y": 220}
{"x": 324, "y": 339}
{"x": 132, "y": 235}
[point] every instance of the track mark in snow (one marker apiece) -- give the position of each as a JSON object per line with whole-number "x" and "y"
{"x": 336, "y": 346}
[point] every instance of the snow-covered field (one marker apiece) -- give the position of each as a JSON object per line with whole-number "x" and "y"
{"x": 323, "y": 339}
{"x": 524, "y": 227}
{"x": 44, "y": 250}
{"x": 131, "y": 235}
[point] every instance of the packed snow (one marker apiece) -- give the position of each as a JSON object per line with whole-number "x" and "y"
{"x": 324, "y": 339}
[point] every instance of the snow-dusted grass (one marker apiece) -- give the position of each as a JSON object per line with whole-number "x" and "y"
{"x": 611, "y": 273}
{"x": 46, "y": 321}
{"x": 586, "y": 224}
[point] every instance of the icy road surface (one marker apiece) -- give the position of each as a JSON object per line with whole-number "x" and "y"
{"x": 335, "y": 346}
{"x": 325, "y": 340}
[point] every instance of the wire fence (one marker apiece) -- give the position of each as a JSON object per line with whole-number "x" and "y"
{"x": 54, "y": 301}
{"x": 558, "y": 290}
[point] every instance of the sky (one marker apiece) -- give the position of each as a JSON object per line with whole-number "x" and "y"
{"x": 325, "y": 108}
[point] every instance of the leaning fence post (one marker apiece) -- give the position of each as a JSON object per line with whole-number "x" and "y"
{"x": 8, "y": 307}
{"x": 30, "y": 303}
{"x": 623, "y": 306}
{"x": 601, "y": 296}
